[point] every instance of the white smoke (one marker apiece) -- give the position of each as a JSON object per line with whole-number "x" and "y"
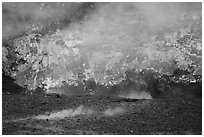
{"x": 138, "y": 95}
{"x": 114, "y": 111}
{"x": 81, "y": 111}
{"x": 18, "y": 17}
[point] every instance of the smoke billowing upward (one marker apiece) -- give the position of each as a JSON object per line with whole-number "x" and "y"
{"x": 149, "y": 17}
{"x": 122, "y": 25}
{"x": 101, "y": 42}
{"x": 23, "y": 17}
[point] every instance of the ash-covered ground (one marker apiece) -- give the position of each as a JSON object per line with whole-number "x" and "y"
{"x": 54, "y": 114}
{"x": 42, "y": 114}
{"x": 39, "y": 113}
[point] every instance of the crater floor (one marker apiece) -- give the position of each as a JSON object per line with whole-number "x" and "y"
{"x": 42, "y": 114}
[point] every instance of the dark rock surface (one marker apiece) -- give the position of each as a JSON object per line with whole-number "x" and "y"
{"x": 99, "y": 115}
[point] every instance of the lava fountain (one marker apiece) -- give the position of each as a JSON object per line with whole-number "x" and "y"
{"x": 136, "y": 50}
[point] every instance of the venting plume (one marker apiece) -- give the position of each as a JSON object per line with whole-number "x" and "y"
{"x": 18, "y": 18}
{"x": 82, "y": 111}
{"x": 85, "y": 45}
